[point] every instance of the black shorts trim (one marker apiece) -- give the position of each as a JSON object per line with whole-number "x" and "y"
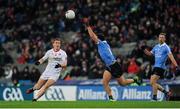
{"x": 115, "y": 70}
{"x": 158, "y": 71}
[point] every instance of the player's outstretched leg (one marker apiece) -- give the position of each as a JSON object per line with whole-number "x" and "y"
{"x": 37, "y": 86}
{"x": 106, "y": 78}
{"x": 138, "y": 80}
{"x": 123, "y": 82}
{"x": 43, "y": 89}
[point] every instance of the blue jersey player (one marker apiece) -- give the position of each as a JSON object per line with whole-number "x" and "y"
{"x": 161, "y": 52}
{"x": 112, "y": 67}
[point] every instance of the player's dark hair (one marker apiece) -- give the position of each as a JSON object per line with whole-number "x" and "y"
{"x": 100, "y": 36}
{"x": 56, "y": 39}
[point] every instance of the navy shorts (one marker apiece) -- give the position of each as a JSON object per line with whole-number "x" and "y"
{"x": 158, "y": 71}
{"x": 115, "y": 70}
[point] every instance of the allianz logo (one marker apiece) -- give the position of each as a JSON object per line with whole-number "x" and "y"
{"x": 12, "y": 94}
{"x": 54, "y": 94}
{"x": 92, "y": 94}
{"x": 135, "y": 94}
{"x": 115, "y": 93}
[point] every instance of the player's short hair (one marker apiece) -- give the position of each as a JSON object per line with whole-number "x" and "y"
{"x": 56, "y": 39}
{"x": 101, "y": 36}
{"x": 162, "y": 33}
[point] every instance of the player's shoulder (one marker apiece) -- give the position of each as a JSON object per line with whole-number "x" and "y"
{"x": 50, "y": 50}
{"x": 166, "y": 46}
{"x": 63, "y": 52}
{"x": 102, "y": 42}
{"x": 157, "y": 45}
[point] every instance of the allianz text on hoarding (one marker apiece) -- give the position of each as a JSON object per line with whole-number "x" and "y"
{"x": 83, "y": 92}
{"x": 119, "y": 93}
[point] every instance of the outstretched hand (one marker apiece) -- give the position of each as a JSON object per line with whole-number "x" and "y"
{"x": 37, "y": 63}
{"x": 143, "y": 47}
{"x": 85, "y": 21}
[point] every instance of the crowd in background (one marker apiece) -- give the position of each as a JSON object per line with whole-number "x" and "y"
{"x": 31, "y": 24}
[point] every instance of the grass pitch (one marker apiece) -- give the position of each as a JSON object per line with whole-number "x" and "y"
{"x": 89, "y": 104}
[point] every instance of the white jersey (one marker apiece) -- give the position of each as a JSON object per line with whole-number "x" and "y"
{"x": 54, "y": 58}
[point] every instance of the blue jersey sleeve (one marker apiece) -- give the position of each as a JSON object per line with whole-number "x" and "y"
{"x": 153, "y": 50}
{"x": 168, "y": 50}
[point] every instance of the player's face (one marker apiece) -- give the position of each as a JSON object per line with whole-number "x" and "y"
{"x": 56, "y": 44}
{"x": 162, "y": 39}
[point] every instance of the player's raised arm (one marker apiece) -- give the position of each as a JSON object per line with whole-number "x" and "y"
{"x": 92, "y": 35}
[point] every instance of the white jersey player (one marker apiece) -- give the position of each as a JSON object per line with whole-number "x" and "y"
{"x": 57, "y": 60}
{"x": 54, "y": 58}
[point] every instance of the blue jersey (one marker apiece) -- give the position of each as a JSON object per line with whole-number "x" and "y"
{"x": 105, "y": 53}
{"x": 160, "y": 53}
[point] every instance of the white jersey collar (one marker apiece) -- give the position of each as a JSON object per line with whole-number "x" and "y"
{"x": 162, "y": 44}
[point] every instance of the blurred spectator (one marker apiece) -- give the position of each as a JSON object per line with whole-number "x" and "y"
{"x": 96, "y": 70}
{"x": 31, "y": 24}
{"x": 15, "y": 76}
{"x": 133, "y": 68}
{"x": 1, "y": 72}
{"x": 25, "y": 74}
{"x": 34, "y": 75}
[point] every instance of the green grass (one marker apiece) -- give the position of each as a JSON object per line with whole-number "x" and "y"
{"x": 89, "y": 104}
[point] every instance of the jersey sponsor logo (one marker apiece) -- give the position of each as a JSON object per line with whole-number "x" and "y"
{"x": 57, "y": 59}
{"x": 12, "y": 94}
{"x": 132, "y": 93}
{"x": 54, "y": 94}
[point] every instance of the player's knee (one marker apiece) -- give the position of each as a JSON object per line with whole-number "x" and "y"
{"x": 122, "y": 83}
{"x": 105, "y": 83}
{"x": 152, "y": 82}
{"x": 37, "y": 87}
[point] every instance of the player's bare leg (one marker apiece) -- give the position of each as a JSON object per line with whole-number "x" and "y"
{"x": 37, "y": 86}
{"x": 43, "y": 89}
{"x": 160, "y": 88}
{"x": 106, "y": 78}
{"x": 153, "y": 82}
{"x": 122, "y": 81}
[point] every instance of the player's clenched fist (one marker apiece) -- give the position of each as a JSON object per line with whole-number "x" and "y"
{"x": 57, "y": 66}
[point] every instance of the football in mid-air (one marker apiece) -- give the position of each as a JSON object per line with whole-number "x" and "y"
{"x": 70, "y": 14}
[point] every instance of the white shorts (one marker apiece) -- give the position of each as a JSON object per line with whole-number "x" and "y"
{"x": 53, "y": 76}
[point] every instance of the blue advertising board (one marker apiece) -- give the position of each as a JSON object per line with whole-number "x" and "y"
{"x": 81, "y": 92}
{"x": 119, "y": 93}
{"x": 14, "y": 93}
